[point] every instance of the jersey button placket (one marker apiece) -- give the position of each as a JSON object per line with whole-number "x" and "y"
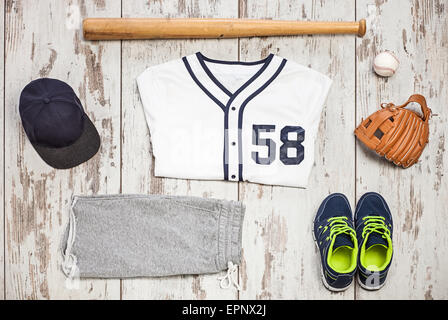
{"x": 233, "y": 143}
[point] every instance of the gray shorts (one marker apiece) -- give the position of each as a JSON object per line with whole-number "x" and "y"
{"x": 122, "y": 236}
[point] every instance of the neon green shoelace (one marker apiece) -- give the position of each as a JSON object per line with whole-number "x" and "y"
{"x": 339, "y": 225}
{"x": 375, "y": 224}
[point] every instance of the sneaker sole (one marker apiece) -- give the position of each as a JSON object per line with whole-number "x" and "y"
{"x": 370, "y": 288}
{"x": 324, "y": 281}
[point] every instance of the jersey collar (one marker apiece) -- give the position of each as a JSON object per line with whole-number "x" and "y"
{"x": 205, "y": 79}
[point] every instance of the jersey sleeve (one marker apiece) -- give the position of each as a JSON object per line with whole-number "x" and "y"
{"x": 321, "y": 86}
{"x": 316, "y": 87}
{"x": 149, "y": 94}
{"x": 152, "y": 97}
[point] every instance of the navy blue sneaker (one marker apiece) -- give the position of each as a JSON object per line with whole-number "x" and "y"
{"x": 374, "y": 227}
{"x": 336, "y": 240}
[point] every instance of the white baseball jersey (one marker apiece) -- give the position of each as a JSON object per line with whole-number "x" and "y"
{"x": 236, "y": 121}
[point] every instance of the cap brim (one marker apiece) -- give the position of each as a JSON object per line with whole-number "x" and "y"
{"x": 80, "y": 151}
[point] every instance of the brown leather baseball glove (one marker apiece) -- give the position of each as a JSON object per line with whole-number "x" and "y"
{"x": 397, "y": 133}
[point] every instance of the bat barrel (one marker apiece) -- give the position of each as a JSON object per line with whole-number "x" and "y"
{"x": 166, "y": 28}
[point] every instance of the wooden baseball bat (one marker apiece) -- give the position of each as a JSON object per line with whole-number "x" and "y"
{"x": 168, "y": 28}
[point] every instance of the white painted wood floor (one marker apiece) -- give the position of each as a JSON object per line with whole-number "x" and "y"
{"x": 43, "y": 38}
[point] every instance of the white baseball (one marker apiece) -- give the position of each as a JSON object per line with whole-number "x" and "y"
{"x": 385, "y": 64}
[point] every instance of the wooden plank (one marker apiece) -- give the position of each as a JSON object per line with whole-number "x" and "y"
{"x": 280, "y": 258}
{"x": 417, "y": 32}
{"x": 137, "y": 161}
{"x": 2, "y": 205}
{"x": 43, "y": 39}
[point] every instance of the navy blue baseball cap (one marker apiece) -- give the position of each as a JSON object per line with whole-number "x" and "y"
{"x": 56, "y": 124}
